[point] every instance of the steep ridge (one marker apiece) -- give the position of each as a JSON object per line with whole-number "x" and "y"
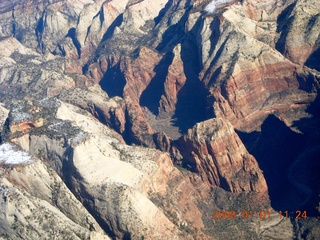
{"x": 299, "y": 38}
{"x": 197, "y": 79}
{"x": 216, "y": 152}
{"x": 119, "y": 185}
{"x": 36, "y": 204}
{"x": 230, "y": 68}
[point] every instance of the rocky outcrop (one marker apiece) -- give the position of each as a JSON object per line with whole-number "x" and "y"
{"x": 241, "y": 69}
{"x": 3, "y": 116}
{"x": 37, "y": 204}
{"x": 122, "y": 187}
{"x": 299, "y": 27}
{"x": 213, "y": 149}
{"x": 186, "y": 77}
{"x": 239, "y": 65}
{"x": 96, "y": 21}
{"x": 174, "y": 82}
{"x": 70, "y": 29}
{"x": 249, "y": 69}
{"x": 22, "y": 67}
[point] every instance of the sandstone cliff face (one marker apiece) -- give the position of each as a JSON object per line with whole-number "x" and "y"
{"x": 230, "y": 57}
{"x": 3, "y": 116}
{"x": 37, "y": 204}
{"x": 250, "y": 72}
{"x": 299, "y": 28}
{"x": 215, "y": 151}
{"x": 241, "y": 78}
{"x": 119, "y": 185}
{"x": 197, "y": 79}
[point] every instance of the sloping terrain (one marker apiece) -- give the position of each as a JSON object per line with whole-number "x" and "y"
{"x": 138, "y": 119}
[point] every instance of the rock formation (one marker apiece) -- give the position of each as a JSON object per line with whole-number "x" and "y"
{"x": 217, "y": 153}
{"x": 37, "y": 204}
{"x": 119, "y": 185}
{"x": 142, "y": 117}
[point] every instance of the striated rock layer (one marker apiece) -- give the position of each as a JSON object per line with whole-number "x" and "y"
{"x": 217, "y": 153}
{"x": 37, "y": 204}
{"x": 199, "y": 80}
{"x": 120, "y": 186}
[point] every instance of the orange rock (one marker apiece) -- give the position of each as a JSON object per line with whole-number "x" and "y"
{"x": 215, "y": 151}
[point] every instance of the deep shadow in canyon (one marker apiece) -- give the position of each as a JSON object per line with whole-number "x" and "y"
{"x": 289, "y": 162}
{"x": 280, "y": 151}
{"x": 151, "y": 96}
{"x": 192, "y": 105}
{"x": 113, "y": 81}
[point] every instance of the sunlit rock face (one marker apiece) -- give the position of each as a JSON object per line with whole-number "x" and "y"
{"x": 121, "y": 187}
{"x": 126, "y": 119}
{"x": 217, "y": 153}
{"x": 216, "y": 5}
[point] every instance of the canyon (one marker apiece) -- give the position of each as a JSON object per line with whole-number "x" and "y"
{"x": 136, "y": 119}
